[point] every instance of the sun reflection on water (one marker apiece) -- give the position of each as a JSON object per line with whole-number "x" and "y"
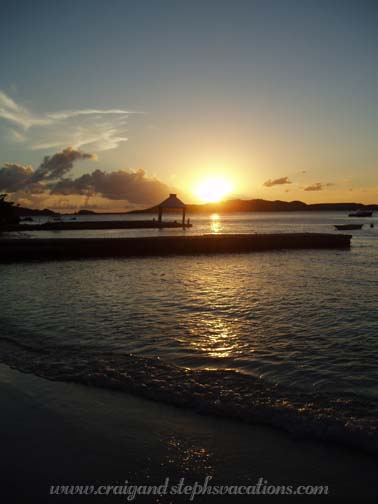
{"x": 216, "y": 338}
{"x": 215, "y": 223}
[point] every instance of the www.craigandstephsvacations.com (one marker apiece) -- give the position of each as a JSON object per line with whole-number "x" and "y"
{"x": 189, "y": 489}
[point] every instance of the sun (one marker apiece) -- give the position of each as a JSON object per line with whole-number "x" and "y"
{"x": 214, "y": 189}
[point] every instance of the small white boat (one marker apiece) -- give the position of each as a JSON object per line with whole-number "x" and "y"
{"x": 361, "y": 213}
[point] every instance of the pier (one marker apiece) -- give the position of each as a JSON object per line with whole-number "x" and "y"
{"x": 24, "y": 249}
{"x": 85, "y": 225}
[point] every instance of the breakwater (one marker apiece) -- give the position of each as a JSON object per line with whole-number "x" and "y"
{"x": 25, "y": 249}
{"x": 80, "y": 225}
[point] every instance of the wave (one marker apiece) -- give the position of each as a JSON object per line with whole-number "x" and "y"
{"x": 226, "y": 393}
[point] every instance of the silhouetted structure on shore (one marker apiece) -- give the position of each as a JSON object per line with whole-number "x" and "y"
{"x": 171, "y": 203}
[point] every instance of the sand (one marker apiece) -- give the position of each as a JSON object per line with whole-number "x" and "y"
{"x": 58, "y": 433}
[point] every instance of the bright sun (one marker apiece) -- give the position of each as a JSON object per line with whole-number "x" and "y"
{"x": 213, "y": 190}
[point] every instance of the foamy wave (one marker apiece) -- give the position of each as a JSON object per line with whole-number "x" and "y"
{"x": 225, "y": 393}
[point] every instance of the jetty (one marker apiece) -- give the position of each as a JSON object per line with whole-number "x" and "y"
{"x": 73, "y": 225}
{"x": 29, "y": 249}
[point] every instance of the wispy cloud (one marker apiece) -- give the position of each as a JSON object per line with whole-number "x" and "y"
{"x": 279, "y": 181}
{"x": 101, "y": 129}
{"x": 319, "y": 186}
{"x": 67, "y": 114}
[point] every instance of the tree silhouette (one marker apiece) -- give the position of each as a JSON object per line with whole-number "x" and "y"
{"x": 7, "y": 212}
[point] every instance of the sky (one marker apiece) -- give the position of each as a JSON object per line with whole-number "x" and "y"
{"x": 112, "y": 105}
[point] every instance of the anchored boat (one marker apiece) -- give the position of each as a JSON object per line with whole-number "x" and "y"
{"x": 341, "y": 227}
{"x": 361, "y": 213}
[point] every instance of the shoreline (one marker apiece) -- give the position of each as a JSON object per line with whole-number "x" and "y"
{"x": 82, "y": 435}
{"x": 216, "y": 393}
{"x": 22, "y": 249}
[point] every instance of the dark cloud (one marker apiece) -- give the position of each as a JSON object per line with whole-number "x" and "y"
{"x": 14, "y": 177}
{"x": 319, "y": 186}
{"x": 17, "y": 177}
{"x": 58, "y": 165}
{"x": 279, "y": 181}
{"x": 134, "y": 187}
{"x": 50, "y": 179}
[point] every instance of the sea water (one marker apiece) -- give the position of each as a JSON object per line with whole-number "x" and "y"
{"x": 298, "y": 326}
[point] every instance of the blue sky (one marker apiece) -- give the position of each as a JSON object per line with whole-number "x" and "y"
{"x": 249, "y": 91}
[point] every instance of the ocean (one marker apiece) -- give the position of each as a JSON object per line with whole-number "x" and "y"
{"x": 287, "y": 338}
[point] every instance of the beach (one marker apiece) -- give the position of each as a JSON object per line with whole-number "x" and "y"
{"x": 241, "y": 368}
{"x": 188, "y": 251}
{"x": 66, "y": 434}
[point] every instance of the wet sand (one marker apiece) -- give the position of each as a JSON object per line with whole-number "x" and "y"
{"x": 59, "y": 433}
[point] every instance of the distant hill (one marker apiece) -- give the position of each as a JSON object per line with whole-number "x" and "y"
{"x": 85, "y": 212}
{"x": 230, "y": 206}
{"x": 25, "y": 212}
{"x": 260, "y": 205}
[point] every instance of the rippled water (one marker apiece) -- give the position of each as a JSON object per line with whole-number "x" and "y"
{"x": 305, "y": 320}
{"x": 264, "y": 222}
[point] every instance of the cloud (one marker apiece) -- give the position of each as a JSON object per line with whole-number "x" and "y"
{"x": 279, "y": 181}
{"x": 132, "y": 186}
{"x": 54, "y": 167}
{"x": 50, "y": 184}
{"x": 319, "y": 186}
{"x": 101, "y": 129}
{"x": 19, "y": 115}
{"x": 14, "y": 177}
{"x": 17, "y": 177}
{"x": 67, "y": 114}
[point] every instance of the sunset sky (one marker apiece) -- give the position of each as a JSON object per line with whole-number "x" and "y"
{"x": 133, "y": 99}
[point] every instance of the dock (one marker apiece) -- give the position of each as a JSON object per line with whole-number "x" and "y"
{"x": 97, "y": 224}
{"x": 31, "y": 249}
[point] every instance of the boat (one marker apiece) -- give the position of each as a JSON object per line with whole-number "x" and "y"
{"x": 341, "y": 227}
{"x": 54, "y": 219}
{"x": 361, "y": 213}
